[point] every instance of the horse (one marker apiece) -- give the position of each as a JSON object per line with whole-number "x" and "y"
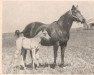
{"x": 32, "y": 44}
{"x": 59, "y": 31}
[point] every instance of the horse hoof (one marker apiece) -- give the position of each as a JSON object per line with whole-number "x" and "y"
{"x": 21, "y": 67}
{"x": 61, "y": 65}
{"x": 53, "y": 66}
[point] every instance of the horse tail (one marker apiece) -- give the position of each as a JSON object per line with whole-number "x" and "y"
{"x": 31, "y": 28}
{"x": 41, "y": 28}
{"x": 17, "y": 33}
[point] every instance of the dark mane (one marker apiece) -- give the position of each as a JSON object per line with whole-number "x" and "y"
{"x": 64, "y": 20}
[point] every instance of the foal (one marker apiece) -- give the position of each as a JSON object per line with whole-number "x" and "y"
{"x": 32, "y": 44}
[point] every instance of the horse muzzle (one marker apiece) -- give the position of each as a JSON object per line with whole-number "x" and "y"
{"x": 83, "y": 21}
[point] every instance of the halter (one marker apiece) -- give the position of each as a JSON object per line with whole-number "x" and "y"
{"x": 72, "y": 14}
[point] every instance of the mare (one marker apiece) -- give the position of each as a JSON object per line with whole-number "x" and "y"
{"x": 59, "y": 31}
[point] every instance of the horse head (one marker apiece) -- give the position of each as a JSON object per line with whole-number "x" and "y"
{"x": 76, "y": 14}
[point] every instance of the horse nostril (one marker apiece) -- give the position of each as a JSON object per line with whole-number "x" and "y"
{"x": 83, "y": 21}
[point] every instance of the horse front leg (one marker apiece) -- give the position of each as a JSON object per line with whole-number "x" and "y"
{"x": 63, "y": 46}
{"x": 31, "y": 56}
{"x": 55, "y": 48}
{"x": 34, "y": 58}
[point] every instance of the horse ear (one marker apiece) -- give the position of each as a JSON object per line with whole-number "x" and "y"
{"x": 77, "y": 7}
{"x": 73, "y": 7}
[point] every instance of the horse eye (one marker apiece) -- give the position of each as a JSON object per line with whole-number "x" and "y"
{"x": 75, "y": 11}
{"x": 44, "y": 34}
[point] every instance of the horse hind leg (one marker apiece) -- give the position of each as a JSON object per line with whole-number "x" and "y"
{"x": 37, "y": 59}
{"x": 16, "y": 56}
{"x": 37, "y": 63}
{"x": 33, "y": 59}
{"x": 23, "y": 56}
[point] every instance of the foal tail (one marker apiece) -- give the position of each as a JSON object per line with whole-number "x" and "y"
{"x": 17, "y": 33}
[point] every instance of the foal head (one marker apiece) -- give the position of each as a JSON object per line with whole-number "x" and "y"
{"x": 45, "y": 34}
{"x": 76, "y": 14}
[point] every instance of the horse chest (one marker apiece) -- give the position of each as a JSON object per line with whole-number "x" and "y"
{"x": 59, "y": 35}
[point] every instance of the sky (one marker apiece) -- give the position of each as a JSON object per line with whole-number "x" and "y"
{"x": 18, "y": 14}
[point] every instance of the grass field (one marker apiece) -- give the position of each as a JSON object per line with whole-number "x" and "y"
{"x": 79, "y": 55}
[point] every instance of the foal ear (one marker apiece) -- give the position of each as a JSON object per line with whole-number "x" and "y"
{"x": 73, "y": 7}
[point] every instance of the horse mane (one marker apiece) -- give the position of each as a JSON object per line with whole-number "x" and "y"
{"x": 63, "y": 16}
{"x": 64, "y": 21}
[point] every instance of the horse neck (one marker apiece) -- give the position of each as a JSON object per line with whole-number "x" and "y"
{"x": 65, "y": 21}
{"x": 38, "y": 39}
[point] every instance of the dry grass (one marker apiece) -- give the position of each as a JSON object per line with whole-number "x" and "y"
{"x": 79, "y": 55}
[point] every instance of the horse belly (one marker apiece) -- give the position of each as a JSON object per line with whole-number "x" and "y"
{"x": 34, "y": 43}
{"x": 26, "y": 44}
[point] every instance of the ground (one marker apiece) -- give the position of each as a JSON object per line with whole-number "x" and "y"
{"x": 79, "y": 55}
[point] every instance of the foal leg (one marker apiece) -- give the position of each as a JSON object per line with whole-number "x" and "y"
{"x": 37, "y": 59}
{"x": 37, "y": 62}
{"x": 63, "y": 46}
{"x": 16, "y": 56}
{"x": 33, "y": 55}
